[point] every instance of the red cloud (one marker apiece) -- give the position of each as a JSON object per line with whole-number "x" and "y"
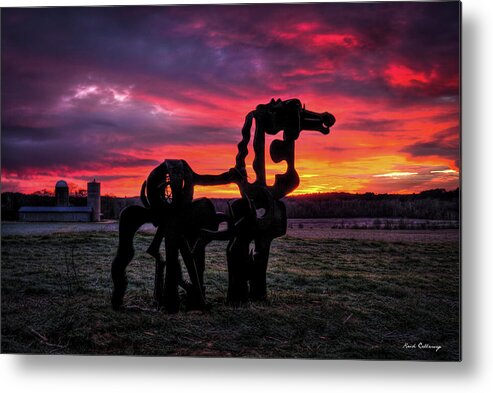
{"x": 400, "y": 75}
{"x": 335, "y": 39}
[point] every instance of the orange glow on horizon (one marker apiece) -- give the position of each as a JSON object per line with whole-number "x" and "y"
{"x": 320, "y": 169}
{"x": 349, "y": 159}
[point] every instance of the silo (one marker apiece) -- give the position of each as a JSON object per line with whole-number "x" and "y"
{"x": 94, "y": 199}
{"x": 61, "y": 193}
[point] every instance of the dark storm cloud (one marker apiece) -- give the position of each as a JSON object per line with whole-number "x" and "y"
{"x": 433, "y": 148}
{"x": 96, "y": 125}
{"x": 92, "y": 145}
{"x": 194, "y": 53}
{"x": 444, "y": 144}
{"x": 201, "y": 45}
{"x": 373, "y": 125}
{"x": 18, "y": 156}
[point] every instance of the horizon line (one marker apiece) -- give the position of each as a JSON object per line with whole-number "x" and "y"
{"x": 287, "y": 196}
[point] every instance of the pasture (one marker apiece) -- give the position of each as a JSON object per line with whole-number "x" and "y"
{"x": 332, "y": 296}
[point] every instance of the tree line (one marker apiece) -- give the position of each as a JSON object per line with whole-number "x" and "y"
{"x": 437, "y": 204}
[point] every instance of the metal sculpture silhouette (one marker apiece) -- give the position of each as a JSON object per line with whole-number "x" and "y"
{"x": 188, "y": 225}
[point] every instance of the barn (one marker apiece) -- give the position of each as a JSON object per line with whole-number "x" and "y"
{"x": 55, "y": 213}
{"x": 63, "y": 211}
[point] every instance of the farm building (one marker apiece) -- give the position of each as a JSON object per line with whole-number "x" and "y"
{"x": 55, "y": 213}
{"x": 62, "y": 211}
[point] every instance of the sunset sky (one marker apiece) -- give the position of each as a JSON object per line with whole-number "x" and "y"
{"x": 109, "y": 93}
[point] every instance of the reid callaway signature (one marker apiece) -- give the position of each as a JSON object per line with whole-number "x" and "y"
{"x": 422, "y": 346}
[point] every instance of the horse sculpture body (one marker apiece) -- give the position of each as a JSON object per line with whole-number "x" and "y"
{"x": 167, "y": 196}
{"x": 188, "y": 225}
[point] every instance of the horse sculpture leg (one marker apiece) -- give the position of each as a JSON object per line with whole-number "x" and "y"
{"x": 258, "y": 269}
{"x": 195, "y": 263}
{"x": 242, "y": 213}
{"x": 131, "y": 219}
{"x": 200, "y": 216}
{"x": 238, "y": 258}
{"x": 171, "y": 300}
{"x": 273, "y": 224}
{"x": 154, "y": 250}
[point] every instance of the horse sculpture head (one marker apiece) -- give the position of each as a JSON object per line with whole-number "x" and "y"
{"x": 290, "y": 117}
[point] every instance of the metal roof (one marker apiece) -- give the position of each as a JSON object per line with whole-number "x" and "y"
{"x": 55, "y": 209}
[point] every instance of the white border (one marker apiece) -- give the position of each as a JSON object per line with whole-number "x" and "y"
{"x": 87, "y": 374}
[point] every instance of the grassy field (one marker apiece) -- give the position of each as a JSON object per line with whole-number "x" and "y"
{"x": 337, "y": 299}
